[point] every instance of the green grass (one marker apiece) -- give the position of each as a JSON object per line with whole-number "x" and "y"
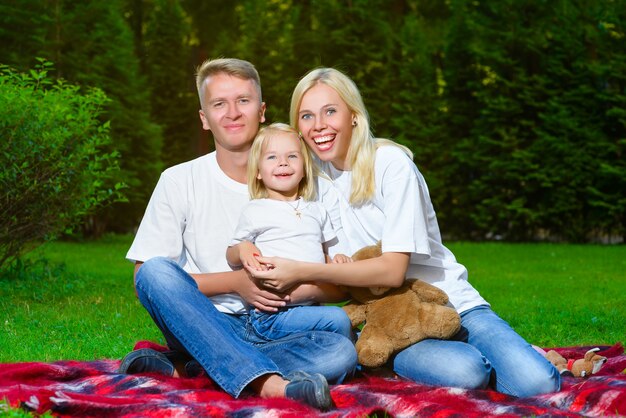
{"x": 89, "y": 311}
{"x": 553, "y": 295}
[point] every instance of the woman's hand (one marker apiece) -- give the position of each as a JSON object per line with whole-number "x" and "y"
{"x": 388, "y": 270}
{"x": 281, "y": 274}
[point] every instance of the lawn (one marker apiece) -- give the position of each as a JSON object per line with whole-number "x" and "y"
{"x": 81, "y": 304}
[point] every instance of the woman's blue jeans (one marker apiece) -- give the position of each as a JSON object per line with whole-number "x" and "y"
{"x": 486, "y": 351}
{"x": 227, "y": 346}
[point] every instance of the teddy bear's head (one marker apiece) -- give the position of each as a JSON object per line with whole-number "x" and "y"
{"x": 584, "y": 367}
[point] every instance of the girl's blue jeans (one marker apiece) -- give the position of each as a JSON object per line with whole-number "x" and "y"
{"x": 296, "y": 318}
{"x": 227, "y": 346}
{"x": 485, "y": 352}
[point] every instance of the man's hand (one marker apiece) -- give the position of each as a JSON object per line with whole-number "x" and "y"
{"x": 262, "y": 299}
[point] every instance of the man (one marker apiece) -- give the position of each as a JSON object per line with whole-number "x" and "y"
{"x": 184, "y": 282}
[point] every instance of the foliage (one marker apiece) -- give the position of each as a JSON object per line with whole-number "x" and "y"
{"x": 533, "y": 159}
{"x": 54, "y": 168}
{"x": 170, "y": 75}
{"x": 514, "y": 110}
{"x": 92, "y": 45}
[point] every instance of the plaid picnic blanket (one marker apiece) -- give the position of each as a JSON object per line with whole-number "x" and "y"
{"x": 93, "y": 388}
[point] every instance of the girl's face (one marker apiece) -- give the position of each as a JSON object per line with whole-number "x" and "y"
{"x": 326, "y": 124}
{"x": 281, "y": 166}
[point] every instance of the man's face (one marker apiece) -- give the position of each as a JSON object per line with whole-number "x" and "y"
{"x": 232, "y": 111}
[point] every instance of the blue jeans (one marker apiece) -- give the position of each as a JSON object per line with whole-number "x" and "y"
{"x": 486, "y": 351}
{"x": 296, "y": 318}
{"x": 227, "y": 346}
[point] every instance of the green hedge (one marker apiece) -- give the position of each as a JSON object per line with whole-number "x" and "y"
{"x": 53, "y": 169}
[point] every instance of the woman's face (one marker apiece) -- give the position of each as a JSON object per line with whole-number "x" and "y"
{"x": 326, "y": 124}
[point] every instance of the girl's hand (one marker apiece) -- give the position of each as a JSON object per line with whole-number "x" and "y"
{"x": 280, "y": 274}
{"x": 248, "y": 253}
{"x": 341, "y": 258}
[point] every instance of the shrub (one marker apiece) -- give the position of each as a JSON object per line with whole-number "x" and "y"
{"x": 54, "y": 169}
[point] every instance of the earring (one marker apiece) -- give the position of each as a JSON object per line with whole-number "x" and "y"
{"x": 354, "y": 122}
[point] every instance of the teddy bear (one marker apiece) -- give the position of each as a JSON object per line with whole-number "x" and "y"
{"x": 584, "y": 367}
{"x": 395, "y": 318}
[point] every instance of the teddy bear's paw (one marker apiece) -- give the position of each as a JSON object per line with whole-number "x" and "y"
{"x": 439, "y": 321}
{"x": 373, "y": 355}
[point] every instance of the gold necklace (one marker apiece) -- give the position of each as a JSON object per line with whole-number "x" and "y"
{"x": 295, "y": 209}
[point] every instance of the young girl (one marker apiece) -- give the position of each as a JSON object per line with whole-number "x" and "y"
{"x": 383, "y": 196}
{"x": 284, "y": 219}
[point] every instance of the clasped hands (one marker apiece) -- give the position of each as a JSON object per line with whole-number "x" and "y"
{"x": 275, "y": 273}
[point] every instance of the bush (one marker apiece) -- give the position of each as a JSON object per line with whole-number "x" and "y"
{"x": 54, "y": 170}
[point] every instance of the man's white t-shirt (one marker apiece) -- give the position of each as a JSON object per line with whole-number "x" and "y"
{"x": 401, "y": 214}
{"x": 190, "y": 218}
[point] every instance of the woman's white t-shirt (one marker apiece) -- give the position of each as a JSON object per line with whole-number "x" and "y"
{"x": 401, "y": 214}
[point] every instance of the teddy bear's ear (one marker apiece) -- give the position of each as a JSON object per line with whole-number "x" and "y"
{"x": 596, "y": 360}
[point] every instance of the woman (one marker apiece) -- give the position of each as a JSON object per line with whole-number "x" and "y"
{"x": 373, "y": 187}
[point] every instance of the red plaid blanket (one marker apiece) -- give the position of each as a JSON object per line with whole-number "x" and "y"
{"x": 92, "y": 388}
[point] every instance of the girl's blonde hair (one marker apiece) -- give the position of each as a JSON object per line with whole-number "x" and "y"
{"x": 363, "y": 144}
{"x": 306, "y": 189}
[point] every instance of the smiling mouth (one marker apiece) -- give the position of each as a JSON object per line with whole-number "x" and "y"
{"x": 323, "y": 139}
{"x": 324, "y": 143}
{"x": 234, "y": 127}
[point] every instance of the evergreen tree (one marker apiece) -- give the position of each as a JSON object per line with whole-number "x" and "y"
{"x": 419, "y": 110}
{"x": 93, "y": 46}
{"x": 170, "y": 76}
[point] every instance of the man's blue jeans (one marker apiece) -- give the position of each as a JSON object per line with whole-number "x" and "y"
{"x": 486, "y": 351}
{"x": 227, "y": 346}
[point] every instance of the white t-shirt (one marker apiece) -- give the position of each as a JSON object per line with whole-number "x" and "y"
{"x": 275, "y": 228}
{"x": 190, "y": 218}
{"x": 401, "y": 214}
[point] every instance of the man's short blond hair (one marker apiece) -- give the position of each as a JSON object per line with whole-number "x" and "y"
{"x": 231, "y": 66}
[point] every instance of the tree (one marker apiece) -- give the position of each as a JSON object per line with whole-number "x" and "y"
{"x": 93, "y": 46}
{"x": 173, "y": 97}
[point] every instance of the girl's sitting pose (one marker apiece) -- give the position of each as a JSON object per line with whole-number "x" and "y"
{"x": 375, "y": 189}
{"x": 284, "y": 219}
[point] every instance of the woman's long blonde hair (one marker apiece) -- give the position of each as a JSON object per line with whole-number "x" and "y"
{"x": 363, "y": 144}
{"x": 306, "y": 189}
